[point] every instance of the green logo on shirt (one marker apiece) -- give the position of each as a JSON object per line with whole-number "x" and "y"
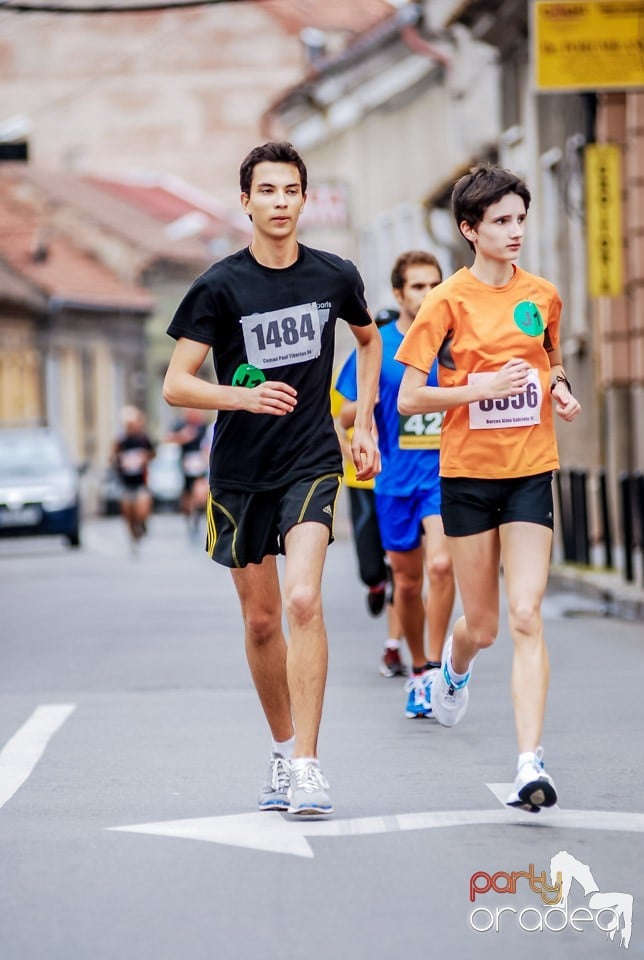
{"x": 246, "y": 375}
{"x": 527, "y": 317}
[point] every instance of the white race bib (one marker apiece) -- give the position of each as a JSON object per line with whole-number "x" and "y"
{"x": 133, "y": 461}
{"x": 280, "y": 337}
{"x": 519, "y": 410}
{"x": 194, "y": 463}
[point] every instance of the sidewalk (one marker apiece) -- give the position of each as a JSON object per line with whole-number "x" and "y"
{"x": 619, "y": 599}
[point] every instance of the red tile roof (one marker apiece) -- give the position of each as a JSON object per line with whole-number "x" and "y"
{"x": 15, "y": 289}
{"x": 352, "y": 16}
{"x": 139, "y": 212}
{"x": 168, "y": 199}
{"x": 61, "y": 271}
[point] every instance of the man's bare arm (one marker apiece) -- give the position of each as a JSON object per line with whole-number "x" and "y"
{"x": 183, "y": 388}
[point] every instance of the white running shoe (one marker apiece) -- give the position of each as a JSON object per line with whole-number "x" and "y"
{"x": 273, "y": 795}
{"x": 448, "y": 699}
{"x": 533, "y": 788}
{"x": 417, "y": 703}
{"x": 428, "y": 679}
{"x": 309, "y": 789}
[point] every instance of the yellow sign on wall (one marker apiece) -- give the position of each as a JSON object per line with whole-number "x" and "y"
{"x": 602, "y": 163}
{"x": 588, "y": 45}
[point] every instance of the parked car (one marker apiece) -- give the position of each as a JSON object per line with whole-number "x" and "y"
{"x": 39, "y": 485}
{"x": 110, "y": 492}
{"x": 165, "y": 476}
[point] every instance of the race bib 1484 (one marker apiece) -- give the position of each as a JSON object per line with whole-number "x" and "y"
{"x": 280, "y": 337}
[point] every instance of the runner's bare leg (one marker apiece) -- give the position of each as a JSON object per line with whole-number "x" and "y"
{"x": 525, "y": 548}
{"x": 307, "y": 660}
{"x": 258, "y": 589}
{"x": 440, "y": 594}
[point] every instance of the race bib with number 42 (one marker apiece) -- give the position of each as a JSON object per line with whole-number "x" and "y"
{"x": 420, "y": 431}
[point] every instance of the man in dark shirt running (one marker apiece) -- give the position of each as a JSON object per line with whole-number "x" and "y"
{"x": 268, "y": 313}
{"x": 131, "y": 453}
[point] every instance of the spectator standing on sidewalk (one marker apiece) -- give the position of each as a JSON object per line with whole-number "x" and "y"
{"x": 407, "y": 492}
{"x": 268, "y": 313}
{"x": 496, "y": 332}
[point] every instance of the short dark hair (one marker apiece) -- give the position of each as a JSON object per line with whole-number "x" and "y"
{"x": 273, "y": 152}
{"x": 409, "y": 259}
{"x": 484, "y": 185}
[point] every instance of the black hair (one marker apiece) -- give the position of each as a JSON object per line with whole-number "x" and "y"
{"x": 273, "y": 152}
{"x": 477, "y": 190}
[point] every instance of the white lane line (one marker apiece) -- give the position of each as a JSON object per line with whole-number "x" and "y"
{"x": 274, "y": 833}
{"x": 26, "y": 747}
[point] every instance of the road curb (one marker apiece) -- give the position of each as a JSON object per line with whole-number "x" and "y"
{"x": 619, "y": 599}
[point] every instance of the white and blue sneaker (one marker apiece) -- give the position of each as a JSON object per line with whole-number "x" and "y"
{"x": 449, "y": 699}
{"x": 533, "y": 788}
{"x": 417, "y": 702}
{"x": 309, "y": 789}
{"x": 428, "y": 679}
{"x": 274, "y": 792}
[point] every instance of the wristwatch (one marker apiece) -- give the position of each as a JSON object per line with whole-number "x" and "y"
{"x": 560, "y": 378}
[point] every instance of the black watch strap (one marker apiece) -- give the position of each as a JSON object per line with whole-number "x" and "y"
{"x": 560, "y": 378}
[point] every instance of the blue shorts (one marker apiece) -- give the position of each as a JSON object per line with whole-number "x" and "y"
{"x": 401, "y": 518}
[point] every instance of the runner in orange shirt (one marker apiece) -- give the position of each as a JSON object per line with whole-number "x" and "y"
{"x": 495, "y": 331}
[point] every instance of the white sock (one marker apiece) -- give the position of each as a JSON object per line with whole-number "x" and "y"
{"x": 528, "y": 757}
{"x": 392, "y": 644}
{"x": 300, "y": 761}
{"x": 456, "y": 677}
{"x": 285, "y": 748}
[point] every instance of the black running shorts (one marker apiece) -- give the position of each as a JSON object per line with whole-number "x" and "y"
{"x": 245, "y": 527}
{"x": 470, "y": 505}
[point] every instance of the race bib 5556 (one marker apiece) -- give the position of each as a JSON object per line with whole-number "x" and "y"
{"x": 519, "y": 410}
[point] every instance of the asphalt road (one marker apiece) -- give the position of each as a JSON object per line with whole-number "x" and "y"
{"x": 125, "y": 702}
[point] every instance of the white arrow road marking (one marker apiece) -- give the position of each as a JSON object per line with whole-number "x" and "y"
{"x": 26, "y": 747}
{"x": 274, "y": 833}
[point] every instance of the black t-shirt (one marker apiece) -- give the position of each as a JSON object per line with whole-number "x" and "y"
{"x": 282, "y": 321}
{"x": 132, "y": 452}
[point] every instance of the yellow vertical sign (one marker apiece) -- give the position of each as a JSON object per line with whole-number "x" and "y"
{"x": 604, "y": 219}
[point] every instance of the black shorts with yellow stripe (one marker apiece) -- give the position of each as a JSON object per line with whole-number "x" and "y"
{"x": 244, "y": 527}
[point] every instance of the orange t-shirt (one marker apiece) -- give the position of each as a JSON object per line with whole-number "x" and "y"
{"x": 473, "y": 329}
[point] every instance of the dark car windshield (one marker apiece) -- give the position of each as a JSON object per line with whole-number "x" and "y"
{"x": 29, "y": 455}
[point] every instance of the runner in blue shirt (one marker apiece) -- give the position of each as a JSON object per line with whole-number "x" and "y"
{"x": 407, "y": 490}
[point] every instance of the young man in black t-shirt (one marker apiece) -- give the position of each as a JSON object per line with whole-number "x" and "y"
{"x": 131, "y": 453}
{"x": 268, "y": 313}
